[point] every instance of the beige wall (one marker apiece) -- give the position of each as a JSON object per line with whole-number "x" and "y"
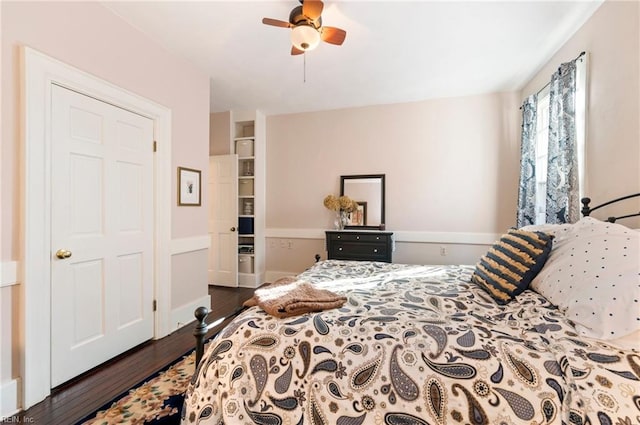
{"x": 220, "y": 133}
{"x": 451, "y": 166}
{"x": 90, "y": 37}
{"x": 612, "y": 39}
{"x": 449, "y": 163}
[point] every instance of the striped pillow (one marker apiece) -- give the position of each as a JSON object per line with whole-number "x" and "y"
{"x": 512, "y": 263}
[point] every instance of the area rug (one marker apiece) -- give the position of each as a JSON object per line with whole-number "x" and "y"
{"x": 156, "y": 401}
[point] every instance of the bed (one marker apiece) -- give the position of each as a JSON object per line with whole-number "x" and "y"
{"x": 417, "y": 344}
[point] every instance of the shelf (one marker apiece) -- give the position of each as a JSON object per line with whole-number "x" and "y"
{"x": 245, "y": 249}
{"x": 247, "y": 133}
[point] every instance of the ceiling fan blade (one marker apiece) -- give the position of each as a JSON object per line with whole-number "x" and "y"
{"x": 333, "y": 35}
{"x": 296, "y": 51}
{"x": 275, "y": 22}
{"x": 312, "y": 9}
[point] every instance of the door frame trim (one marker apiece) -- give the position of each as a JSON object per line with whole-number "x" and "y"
{"x": 39, "y": 72}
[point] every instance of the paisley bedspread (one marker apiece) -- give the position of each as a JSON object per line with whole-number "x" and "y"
{"x": 413, "y": 345}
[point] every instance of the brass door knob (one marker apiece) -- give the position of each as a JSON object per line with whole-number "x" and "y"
{"x": 63, "y": 254}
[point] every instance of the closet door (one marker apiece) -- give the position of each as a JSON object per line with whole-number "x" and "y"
{"x": 223, "y": 220}
{"x": 101, "y": 232}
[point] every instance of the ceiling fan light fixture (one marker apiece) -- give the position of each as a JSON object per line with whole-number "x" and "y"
{"x": 305, "y": 37}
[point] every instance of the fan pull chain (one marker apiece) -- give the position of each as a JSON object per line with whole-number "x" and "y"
{"x": 304, "y": 67}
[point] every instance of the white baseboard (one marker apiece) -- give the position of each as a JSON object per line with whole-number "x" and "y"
{"x": 9, "y": 404}
{"x": 250, "y": 280}
{"x": 184, "y": 314}
{"x": 8, "y": 273}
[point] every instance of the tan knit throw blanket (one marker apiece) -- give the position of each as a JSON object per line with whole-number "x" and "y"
{"x": 288, "y": 297}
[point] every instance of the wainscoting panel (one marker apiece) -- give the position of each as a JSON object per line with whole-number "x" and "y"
{"x": 8, "y": 297}
{"x": 291, "y": 251}
{"x": 184, "y": 314}
{"x": 9, "y": 398}
{"x": 189, "y": 258}
{"x": 193, "y": 243}
{"x": 8, "y": 273}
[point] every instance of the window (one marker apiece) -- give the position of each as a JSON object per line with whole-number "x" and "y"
{"x": 542, "y": 143}
{"x": 542, "y": 138}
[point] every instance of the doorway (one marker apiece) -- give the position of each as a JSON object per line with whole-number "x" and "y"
{"x": 40, "y": 74}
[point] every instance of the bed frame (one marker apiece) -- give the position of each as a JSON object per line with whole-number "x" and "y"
{"x": 202, "y": 328}
{"x": 587, "y": 210}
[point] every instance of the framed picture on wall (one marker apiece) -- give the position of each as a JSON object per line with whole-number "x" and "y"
{"x": 359, "y": 216}
{"x": 188, "y": 187}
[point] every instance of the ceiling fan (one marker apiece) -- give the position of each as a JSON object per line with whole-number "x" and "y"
{"x": 306, "y": 27}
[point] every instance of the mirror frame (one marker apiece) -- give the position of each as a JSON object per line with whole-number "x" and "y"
{"x": 381, "y": 225}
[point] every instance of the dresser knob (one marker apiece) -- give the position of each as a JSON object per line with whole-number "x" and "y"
{"x": 340, "y": 249}
{"x": 358, "y": 237}
{"x": 377, "y": 238}
{"x": 375, "y": 250}
{"x": 339, "y": 236}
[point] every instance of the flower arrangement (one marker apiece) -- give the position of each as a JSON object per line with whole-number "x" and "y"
{"x": 342, "y": 205}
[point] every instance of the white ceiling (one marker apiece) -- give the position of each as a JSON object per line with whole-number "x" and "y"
{"x": 395, "y": 51}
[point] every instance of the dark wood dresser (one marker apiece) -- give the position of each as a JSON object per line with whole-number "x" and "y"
{"x": 359, "y": 245}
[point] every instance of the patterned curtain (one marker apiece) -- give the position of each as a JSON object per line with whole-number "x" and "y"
{"x": 562, "y": 170}
{"x": 527, "y": 190}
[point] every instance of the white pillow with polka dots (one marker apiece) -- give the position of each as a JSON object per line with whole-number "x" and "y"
{"x": 560, "y": 232}
{"x": 593, "y": 276}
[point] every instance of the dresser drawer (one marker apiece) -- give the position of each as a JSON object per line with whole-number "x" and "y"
{"x": 358, "y": 237}
{"x": 363, "y": 251}
{"x": 362, "y": 246}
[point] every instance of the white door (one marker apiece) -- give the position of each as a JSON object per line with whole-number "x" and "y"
{"x": 102, "y": 222}
{"x": 223, "y": 220}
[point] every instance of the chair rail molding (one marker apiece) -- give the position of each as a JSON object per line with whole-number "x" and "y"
{"x": 463, "y": 238}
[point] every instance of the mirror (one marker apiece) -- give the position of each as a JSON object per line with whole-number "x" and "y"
{"x": 368, "y": 191}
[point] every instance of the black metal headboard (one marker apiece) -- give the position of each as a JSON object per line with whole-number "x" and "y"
{"x": 587, "y": 210}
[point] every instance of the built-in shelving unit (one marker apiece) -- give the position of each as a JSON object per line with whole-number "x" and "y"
{"x": 248, "y": 134}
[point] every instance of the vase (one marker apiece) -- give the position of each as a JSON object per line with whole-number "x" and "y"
{"x": 342, "y": 220}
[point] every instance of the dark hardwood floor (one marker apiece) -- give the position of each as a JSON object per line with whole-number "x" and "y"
{"x": 75, "y": 399}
